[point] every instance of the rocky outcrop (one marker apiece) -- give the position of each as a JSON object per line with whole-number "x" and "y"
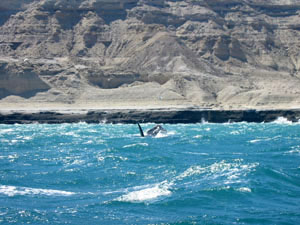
{"x": 148, "y": 116}
{"x": 212, "y": 53}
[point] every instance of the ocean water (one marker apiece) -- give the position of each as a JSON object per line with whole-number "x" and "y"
{"x": 234, "y": 173}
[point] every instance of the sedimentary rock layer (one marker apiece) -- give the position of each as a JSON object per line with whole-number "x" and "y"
{"x": 224, "y": 53}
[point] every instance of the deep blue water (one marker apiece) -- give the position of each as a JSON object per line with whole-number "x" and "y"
{"x": 240, "y": 173}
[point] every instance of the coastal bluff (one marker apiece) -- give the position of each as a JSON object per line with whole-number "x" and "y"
{"x": 217, "y": 54}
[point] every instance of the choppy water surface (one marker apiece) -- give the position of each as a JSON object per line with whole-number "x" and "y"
{"x": 106, "y": 174}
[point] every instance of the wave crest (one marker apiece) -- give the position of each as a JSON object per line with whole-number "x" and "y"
{"x": 13, "y": 191}
{"x": 150, "y": 193}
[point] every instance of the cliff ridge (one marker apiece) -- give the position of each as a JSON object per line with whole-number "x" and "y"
{"x": 204, "y": 53}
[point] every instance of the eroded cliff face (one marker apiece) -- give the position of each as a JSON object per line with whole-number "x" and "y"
{"x": 211, "y": 53}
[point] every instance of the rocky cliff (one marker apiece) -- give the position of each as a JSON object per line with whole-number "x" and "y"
{"x": 208, "y": 53}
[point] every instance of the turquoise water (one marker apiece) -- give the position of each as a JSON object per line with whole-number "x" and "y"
{"x": 241, "y": 173}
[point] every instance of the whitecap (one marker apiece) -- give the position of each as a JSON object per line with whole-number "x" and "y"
{"x": 196, "y": 153}
{"x": 14, "y": 156}
{"x": 255, "y": 140}
{"x": 282, "y": 120}
{"x": 100, "y": 158}
{"x": 131, "y": 173}
{"x": 150, "y": 193}
{"x": 204, "y": 121}
{"x": 13, "y": 191}
{"x": 88, "y": 142}
{"x": 78, "y": 162}
{"x": 71, "y": 133}
{"x": 104, "y": 121}
{"x": 92, "y": 131}
{"x": 194, "y": 170}
{"x": 4, "y": 131}
{"x": 223, "y": 188}
{"x": 235, "y": 132}
{"x": 244, "y": 189}
{"x": 27, "y": 138}
{"x": 293, "y": 151}
{"x": 264, "y": 139}
{"x": 198, "y": 136}
{"x": 113, "y": 157}
{"x": 137, "y": 144}
{"x": 163, "y": 134}
{"x": 232, "y": 172}
{"x": 229, "y": 172}
{"x": 82, "y": 123}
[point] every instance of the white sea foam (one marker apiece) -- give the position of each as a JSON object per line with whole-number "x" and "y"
{"x": 27, "y": 138}
{"x": 294, "y": 150}
{"x": 282, "y": 120}
{"x": 113, "y": 157}
{"x": 198, "y": 136}
{"x": 203, "y": 121}
{"x": 255, "y": 140}
{"x": 146, "y": 194}
{"x": 82, "y": 122}
{"x": 265, "y": 139}
{"x": 131, "y": 173}
{"x": 196, "y": 153}
{"x": 235, "y": 132}
{"x": 100, "y": 158}
{"x": 297, "y": 151}
{"x": 229, "y": 172}
{"x": 78, "y": 162}
{"x": 71, "y": 134}
{"x": 13, "y": 191}
{"x": 137, "y": 144}
{"x": 244, "y": 189}
{"x": 13, "y": 156}
{"x": 88, "y": 142}
{"x": 194, "y": 170}
{"x": 4, "y": 131}
{"x": 163, "y": 134}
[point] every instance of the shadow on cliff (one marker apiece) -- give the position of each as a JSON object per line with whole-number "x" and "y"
{"x": 28, "y": 94}
{"x": 111, "y": 11}
{"x": 15, "y": 81}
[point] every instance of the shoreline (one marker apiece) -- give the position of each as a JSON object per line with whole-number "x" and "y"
{"x": 156, "y": 115}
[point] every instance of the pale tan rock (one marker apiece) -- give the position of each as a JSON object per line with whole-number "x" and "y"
{"x": 206, "y": 53}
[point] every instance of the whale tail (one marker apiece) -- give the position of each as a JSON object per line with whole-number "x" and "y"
{"x": 141, "y": 130}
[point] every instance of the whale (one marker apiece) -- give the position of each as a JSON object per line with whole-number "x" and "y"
{"x": 154, "y": 131}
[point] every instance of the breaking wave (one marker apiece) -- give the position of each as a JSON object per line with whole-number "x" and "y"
{"x": 146, "y": 193}
{"x": 219, "y": 174}
{"x": 13, "y": 191}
